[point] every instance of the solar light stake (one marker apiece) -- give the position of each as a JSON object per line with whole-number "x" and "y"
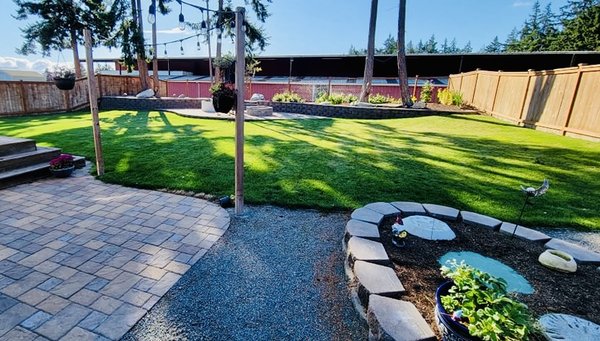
{"x": 530, "y": 192}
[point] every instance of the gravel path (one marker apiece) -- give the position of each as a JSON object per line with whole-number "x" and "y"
{"x": 275, "y": 274}
{"x": 588, "y": 240}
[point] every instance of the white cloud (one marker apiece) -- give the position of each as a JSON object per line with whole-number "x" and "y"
{"x": 39, "y": 65}
{"x": 522, "y": 3}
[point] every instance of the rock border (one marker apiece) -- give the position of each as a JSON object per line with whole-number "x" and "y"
{"x": 376, "y": 296}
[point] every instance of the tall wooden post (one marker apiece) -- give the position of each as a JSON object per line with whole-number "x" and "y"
{"x": 155, "y": 54}
{"x": 240, "y": 65}
{"x": 89, "y": 59}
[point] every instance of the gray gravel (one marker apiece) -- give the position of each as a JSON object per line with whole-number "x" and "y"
{"x": 276, "y": 274}
{"x": 589, "y": 240}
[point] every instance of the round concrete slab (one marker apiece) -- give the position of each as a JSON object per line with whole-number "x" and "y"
{"x": 428, "y": 228}
{"x": 566, "y": 327}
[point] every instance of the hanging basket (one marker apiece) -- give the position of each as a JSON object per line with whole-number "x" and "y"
{"x": 223, "y": 104}
{"x": 64, "y": 83}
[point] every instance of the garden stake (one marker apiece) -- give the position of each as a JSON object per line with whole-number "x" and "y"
{"x": 530, "y": 192}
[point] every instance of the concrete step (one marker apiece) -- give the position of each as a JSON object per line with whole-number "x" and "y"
{"x": 31, "y": 173}
{"x": 11, "y": 145}
{"x": 14, "y": 161}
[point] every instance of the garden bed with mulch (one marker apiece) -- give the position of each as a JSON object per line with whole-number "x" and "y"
{"x": 417, "y": 267}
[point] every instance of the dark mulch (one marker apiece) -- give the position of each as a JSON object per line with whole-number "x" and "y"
{"x": 417, "y": 267}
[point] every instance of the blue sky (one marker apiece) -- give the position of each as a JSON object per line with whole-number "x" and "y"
{"x": 313, "y": 27}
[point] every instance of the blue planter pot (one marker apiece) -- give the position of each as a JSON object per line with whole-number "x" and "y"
{"x": 62, "y": 173}
{"x": 451, "y": 330}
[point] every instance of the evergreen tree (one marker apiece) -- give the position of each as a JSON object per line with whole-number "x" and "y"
{"x": 431, "y": 45}
{"x": 356, "y": 52}
{"x": 410, "y": 48}
{"x": 420, "y": 47}
{"x": 494, "y": 47}
{"x": 581, "y": 26}
{"x": 445, "y": 48}
{"x": 390, "y": 46}
{"x": 467, "y": 48}
{"x": 531, "y": 37}
{"x": 548, "y": 29}
{"x": 453, "y": 48}
{"x": 512, "y": 42}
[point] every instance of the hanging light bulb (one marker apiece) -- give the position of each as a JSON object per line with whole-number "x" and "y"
{"x": 181, "y": 19}
{"x": 165, "y": 49}
{"x": 181, "y": 48}
{"x": 152, "y": 13}
{"x": 198, "y": 42}
{"x": 203, "y": 25}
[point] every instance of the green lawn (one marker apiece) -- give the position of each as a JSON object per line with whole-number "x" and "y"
{"x": 469, "y": 162}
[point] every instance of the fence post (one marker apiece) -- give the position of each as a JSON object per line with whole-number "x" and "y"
{"x": 475, "y": 85}
{"x": 24, "y": 98}
{"x": 521, "y": 115}
{"x": 100, "y": 90}
{"x": 67, "y": 99}
{"x": 167, "y": 88}
{"x": 563, "y": 131}
{"x": 496, "y": 91}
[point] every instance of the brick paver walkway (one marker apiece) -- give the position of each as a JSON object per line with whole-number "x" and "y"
{"x": 85, "y": 260}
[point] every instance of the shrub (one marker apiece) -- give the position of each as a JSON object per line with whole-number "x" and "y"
{"x": 382, "y": 99}
{"x": 426, "y": 91}
{"x": 287, "y": 96}
{"x": 485, "y": 305}
{"x": 336, "y": 98}
{"x": 450, "y": 97}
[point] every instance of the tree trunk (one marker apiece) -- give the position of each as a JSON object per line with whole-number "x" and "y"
{"x": 368, "y": 77}
{"x": 141, "y": 55}
{"x": 402, "y": 74}
{"x": 75, "y": 49}
{"x": 218, "y": 71}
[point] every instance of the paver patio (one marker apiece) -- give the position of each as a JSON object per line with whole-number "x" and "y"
{"x": 85, "y": 260}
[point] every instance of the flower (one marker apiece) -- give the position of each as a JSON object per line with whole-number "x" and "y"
{"x": 61, "y": 162}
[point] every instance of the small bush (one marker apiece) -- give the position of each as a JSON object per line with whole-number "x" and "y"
{"x": 382, "y": 99}
{"x": 336, "y": 98}
{"x": 450, "y": 97}
{"x": 287, "y": 96}
{"x": 426, "y": 92}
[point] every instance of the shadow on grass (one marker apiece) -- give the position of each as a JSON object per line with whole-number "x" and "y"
{"x": 341, "y": 164}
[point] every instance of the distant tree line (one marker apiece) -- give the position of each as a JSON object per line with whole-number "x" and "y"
{"x": 390, "y": 46}
{"x": 575, "y": 28}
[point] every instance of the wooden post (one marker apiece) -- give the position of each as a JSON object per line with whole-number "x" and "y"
{"x": 24, "y": 98}
{"x": 475, "y": 85}
{"x": 239, "y": 110}
{"x": 89, "y": 59}
{"x": 496, "y": 91}
{"x": 155, "y": 83}
{"x": 100, "y": 90}
{"x": 67, "y": 99}
{"x": 521, "y": 115}
{"x": 572, "y": 104}
{"x": 415, "y": 87}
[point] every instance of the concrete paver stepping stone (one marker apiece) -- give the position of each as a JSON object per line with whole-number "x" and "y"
{"x": 367, "y": 215}
{"x": 480, "y": 220}
{"x": 367, "y": 250}
{"x": 560, "y": 327}
{"x": 524, "y": 232}
{"x": 580, "y": 254}
{"x": 377, "y": 279}
{"x": 441, "y": 212}
{"x": 384, "y": 208}
{"x": 428, "y": 228}
{"x": 391, "y": 319}
{"x": 409, "y": 208}
{"x": 363, "y": 229}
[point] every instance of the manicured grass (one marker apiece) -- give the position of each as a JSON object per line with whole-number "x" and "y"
{"x": 469, "y": 162}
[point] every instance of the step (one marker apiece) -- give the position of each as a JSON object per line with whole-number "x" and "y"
{"x": 42, "y": 154}
{"x": 31, "y": 173}
{"x": 11, "y": 145}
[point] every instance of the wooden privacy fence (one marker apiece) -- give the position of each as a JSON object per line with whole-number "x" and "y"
{"x": 563, "y": 101}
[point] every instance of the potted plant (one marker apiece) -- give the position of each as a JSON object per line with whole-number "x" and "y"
{"x": 474, "y": 305}
{"x": 62, "y": 166}
{"x": 63, "y": 77}
{"x": 223, "y": 97}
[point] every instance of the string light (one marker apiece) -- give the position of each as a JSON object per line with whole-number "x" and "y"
{"x": 198, "y": 42}
{"x": 181, "y": 18}
{"x": 165, "y": 49}
{"x": 152, "y": 13}
{"x": 181, "y": 48}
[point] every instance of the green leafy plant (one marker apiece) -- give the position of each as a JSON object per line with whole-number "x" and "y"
{"x": 287, "y": 96}
{"x": 336, "y": 98}
{"x": 450, "y": 97}
{"x": 426, "y": 92}
{"x": 61, "y": 71}
{"x": 222, "y": 89}
{"x": 382, "y": 99}
{"x": 487, "y": 309}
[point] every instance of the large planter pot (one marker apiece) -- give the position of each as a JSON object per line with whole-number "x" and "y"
{"x": 63, "y": 172}
{"x": 223, "y": 104}
{"x": 64, "y": 83}
{"x": 451, "y": 330}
